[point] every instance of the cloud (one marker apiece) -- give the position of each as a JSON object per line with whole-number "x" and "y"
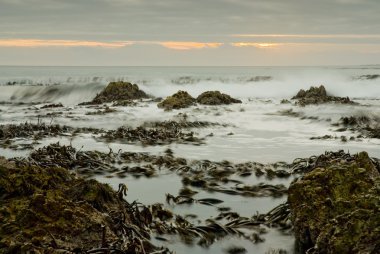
{"x": 188, "y": 45}
{"x": 33, "y": 43}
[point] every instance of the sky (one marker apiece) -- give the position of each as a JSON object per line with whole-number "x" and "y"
{"x": 189, "y": 32}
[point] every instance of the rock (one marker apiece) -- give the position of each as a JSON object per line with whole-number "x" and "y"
{"x": 118, "y": 91}
{"x": 216, "y": 98}
{"x": 49, "y": 208}
{"x": 336, "y": 208}
{"x": 367, "y": 77}
{"x": 318, "y": 95}
{"x": 366, "y": 126}
{"x": 179, "y": 100}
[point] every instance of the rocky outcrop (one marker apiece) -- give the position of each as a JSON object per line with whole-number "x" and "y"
{"x": 216, "y": 98}
{"x": 118, "y": 91}
{"x": 336, "y": 207}
{"x": 49, "y": 210}
{"x": 179, "y": 100}
{"x": 318, "y": 95}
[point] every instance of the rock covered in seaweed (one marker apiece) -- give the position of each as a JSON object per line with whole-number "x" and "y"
{"x": 216, "y": 98}
{"x": 318, "y": 95}
{"x": 49, "y": 208}
{"x": 119, "y": 91}
{"x": 335, "y": 207}
{"x": 181, "y": 99}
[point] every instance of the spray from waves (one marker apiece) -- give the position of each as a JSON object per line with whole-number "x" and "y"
{"x": 67, "y": 94}
{"x": 279, "y": 89}
{"x": 72, "y": 86}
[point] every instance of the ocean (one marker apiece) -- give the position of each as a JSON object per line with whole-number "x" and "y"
{"x": 260, "y": 129}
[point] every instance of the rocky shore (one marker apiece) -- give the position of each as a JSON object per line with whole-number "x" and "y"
{"x": 335, "y": 206}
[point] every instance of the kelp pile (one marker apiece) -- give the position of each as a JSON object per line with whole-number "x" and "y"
{"x": 228, "y": 178}
{"x": 134, "y": 221}
{"x": 151, "y": 136}
{"x": 10, "y": 132}
{"x": 32, "y": 131}
{"x": 366, "y": 126}
{"x": 182, "y": 124}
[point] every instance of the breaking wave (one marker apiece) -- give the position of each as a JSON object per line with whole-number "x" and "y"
{"x": 72, "y": 86}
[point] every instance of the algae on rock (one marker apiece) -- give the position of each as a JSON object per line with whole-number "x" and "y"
{"x": 336, "y": 208}
{"x": 179, "y": 100}
{"x": 49, "y": 210}
{"x": 119, "y": 91}
{"x": 318, "y": 95}
{"x": 216, "y": 98}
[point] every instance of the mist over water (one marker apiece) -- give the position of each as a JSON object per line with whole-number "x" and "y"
{"x": 73, "y": 85}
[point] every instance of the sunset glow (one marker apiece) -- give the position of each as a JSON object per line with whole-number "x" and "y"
{"x": 256, "y": 45}
{"x": 187, "y": 45}
{"x": 60, "y": 43}
{"x": 315, "y": 36}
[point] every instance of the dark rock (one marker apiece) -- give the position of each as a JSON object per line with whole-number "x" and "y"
{"x": 368, "y": 77}
{"x": 318, "y": 95}
{"x": 48, "y": 208}
{"x": 179, "y": 100}
{"x": 118, "y": 91}
{"x": 216, "y": 98}
{"x": 335, "y": 208}
{"x": 58, "y": 105}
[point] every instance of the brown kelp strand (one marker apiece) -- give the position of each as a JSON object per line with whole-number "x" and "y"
{"x": 85, "y": 162}
{"x": 182, "y": 124}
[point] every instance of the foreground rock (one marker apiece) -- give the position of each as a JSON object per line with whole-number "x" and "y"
{"x": 179, "y": 100}
{"x": 118, "y": 91}
{"x": 335, "y": 207}
{"x": 216, "y": 98}
{"x": 318, "y": 95}
{"x": 48, "y": 210}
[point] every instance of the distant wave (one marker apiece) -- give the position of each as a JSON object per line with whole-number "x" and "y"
{"x": 185, "y": 80}
{"x": 264, "y": 83}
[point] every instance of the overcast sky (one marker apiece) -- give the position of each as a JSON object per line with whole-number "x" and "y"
{"x": 189, "y": 32}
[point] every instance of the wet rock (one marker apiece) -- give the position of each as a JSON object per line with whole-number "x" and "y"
{"x": 235, "y": 250}
{"x": 368, "y": 77}
{"x": 216, "y": 98}
{"x": 318, "y": 95}
{"x": 335, "y": 207}
{"x": 58, "y": 105}
{"x": 366, "y": 126}
{"x": 118, "y": 91}
{"x": 179, "y": 100}
{"x": 48, "y": 208}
